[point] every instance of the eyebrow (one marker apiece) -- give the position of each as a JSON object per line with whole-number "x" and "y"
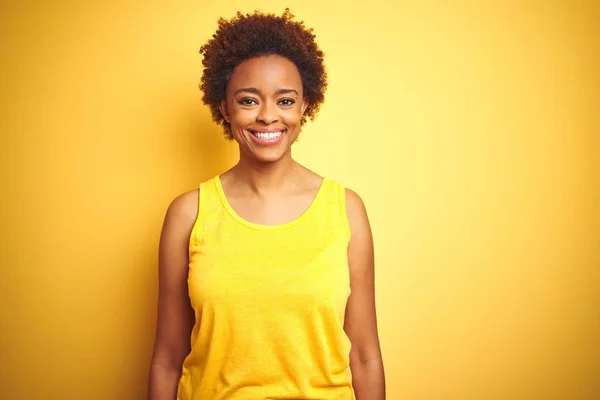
{"x": 257, "y": 91}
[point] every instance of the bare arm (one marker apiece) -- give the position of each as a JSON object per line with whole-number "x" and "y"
{"x": 175, "y": 316}
{"x": 361, "y": 323}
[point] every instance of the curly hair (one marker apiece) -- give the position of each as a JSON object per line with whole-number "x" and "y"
{"x": 253, "y": 35}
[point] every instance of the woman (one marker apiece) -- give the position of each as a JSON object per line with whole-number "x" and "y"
{"x": 256, "y": 266}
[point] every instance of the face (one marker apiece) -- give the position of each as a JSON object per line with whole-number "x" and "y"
{"x": 264, "y": 105}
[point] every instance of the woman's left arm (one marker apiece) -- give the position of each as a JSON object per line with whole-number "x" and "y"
{"x": 360, "y": 324}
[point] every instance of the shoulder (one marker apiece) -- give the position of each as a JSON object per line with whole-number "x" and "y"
{"x": 175, "y": 234}
{"x": 356, "y": 214}
{"x": 355, "y": 207}
{"x": 183, "y": 210}
{"x": 354, "y": 202}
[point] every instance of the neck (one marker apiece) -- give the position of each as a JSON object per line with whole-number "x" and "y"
{"x": 264, "y": 178}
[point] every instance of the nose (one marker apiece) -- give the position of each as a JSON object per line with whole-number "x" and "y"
{"x": 267, "y": 113}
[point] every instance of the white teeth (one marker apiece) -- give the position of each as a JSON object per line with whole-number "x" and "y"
{"x": 268, "y": 135}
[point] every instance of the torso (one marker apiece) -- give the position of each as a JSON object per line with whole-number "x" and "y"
{"x": 268, "y": 281}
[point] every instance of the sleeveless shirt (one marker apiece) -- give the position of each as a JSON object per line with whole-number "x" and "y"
{"x": 269, "y": 303}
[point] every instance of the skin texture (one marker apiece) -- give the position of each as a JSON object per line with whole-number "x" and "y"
{"x": 264, "y": 93}
{"x": 266, "y": 187}
{"x": 244, "y": 37}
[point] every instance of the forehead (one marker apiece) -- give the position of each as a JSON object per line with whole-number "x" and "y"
{"x": 267, "y": 73}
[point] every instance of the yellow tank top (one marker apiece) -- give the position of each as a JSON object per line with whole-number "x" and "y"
{"x": 269, "y": 303}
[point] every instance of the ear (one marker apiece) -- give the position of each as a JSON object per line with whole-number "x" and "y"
{"x": 224, "y": 110}
{"x": 305, "y": 104}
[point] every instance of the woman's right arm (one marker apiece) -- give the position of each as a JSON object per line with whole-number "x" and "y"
{"x": 175, "y": 317}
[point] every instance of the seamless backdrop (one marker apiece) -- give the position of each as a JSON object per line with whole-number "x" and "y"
{"x": 470, "y": 129}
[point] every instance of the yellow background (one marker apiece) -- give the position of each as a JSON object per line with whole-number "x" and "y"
{"x": 470, "y": 129}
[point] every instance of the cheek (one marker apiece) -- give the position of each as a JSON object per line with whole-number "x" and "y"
{"x": 293, "y": 116}
{"x": 241, "y": 117}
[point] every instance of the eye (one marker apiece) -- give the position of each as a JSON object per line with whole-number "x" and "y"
{"x": 287, "y": 102}
{"x": 247, "y": 101}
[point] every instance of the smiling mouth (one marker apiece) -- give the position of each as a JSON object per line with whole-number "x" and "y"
{"x": 268, "y": 135}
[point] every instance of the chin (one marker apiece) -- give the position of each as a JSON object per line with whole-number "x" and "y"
{"x": 268, "y": 157}
{"x": 268, "y": 154}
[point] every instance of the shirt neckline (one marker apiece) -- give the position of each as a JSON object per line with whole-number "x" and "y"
{"x": 285, "y": 225}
